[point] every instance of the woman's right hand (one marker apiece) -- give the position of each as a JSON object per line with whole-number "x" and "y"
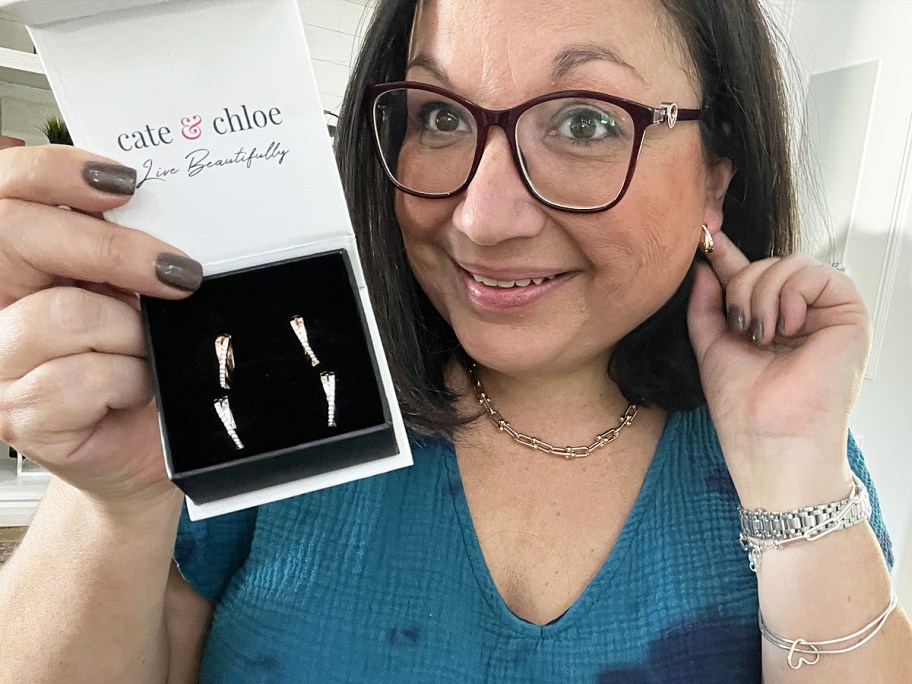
{"x": 75, "y": 388}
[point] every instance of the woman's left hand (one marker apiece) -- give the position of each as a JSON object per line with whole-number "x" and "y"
{"x": 781, "y": 374}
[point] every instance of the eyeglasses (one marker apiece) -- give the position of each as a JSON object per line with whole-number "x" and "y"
{"x": 575, "y": 150}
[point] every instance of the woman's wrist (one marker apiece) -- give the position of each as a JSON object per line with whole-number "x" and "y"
{"x": 781, "y": 478}
{"x": 149, "y": 512}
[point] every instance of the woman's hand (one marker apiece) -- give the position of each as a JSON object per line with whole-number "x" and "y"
{"x": 781, "y": 363}
{"x": 75, "y": 391}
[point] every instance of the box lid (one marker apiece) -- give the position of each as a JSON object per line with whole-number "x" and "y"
{"x": 214, "y": 102}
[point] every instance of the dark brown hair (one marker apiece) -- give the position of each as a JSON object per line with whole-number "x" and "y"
{"x": 736, "y": 64}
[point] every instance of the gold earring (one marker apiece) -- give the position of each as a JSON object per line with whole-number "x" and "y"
{"x": 224, "y": 351}
{"x": 708, "y": 244}
{"x": 297, "y": 324}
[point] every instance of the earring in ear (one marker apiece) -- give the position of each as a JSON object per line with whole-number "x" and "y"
{"x": 297, "y": 324}
{"x": 224, "y": 352}
{"x": 708, "y": 244}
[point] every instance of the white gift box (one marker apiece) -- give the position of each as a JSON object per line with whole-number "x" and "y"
{"x": 215, "y": 104}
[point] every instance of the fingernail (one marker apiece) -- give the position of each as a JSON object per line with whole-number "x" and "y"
{"x": 112, "y": 178}
{"x": 756, "y": 331}
{"x": 179, "y": 271}
{"x": 736, "y": 319}
{"x": 780, "y": 325}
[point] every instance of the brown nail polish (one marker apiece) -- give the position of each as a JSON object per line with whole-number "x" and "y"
{"x": 756, "y": 330}
{"x": 179, "y": 271}
{"x": 735, "y": 320}
{"x": 112, "y": 178}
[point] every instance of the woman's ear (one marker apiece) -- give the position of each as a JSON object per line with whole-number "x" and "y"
{"x": 718, "y": 176}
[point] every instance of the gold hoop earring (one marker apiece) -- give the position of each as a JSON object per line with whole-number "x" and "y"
{"x": 708, "y": 244}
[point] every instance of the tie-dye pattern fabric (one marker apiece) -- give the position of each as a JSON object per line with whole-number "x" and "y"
{"x": 383, "y": 580}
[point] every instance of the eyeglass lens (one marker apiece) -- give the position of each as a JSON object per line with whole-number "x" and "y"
{"x": 574, "y": 152}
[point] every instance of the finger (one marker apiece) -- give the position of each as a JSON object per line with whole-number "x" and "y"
{"x": 54, "y": 406}
{"x": 705, "y": 320}
{"x": 39, "y": 243}
{"x": 767, "y": 318}
{"x": 739, "y": 296}
{"x": 65, "y": 175}
{"x": 818, "y": 296}
{"x": 129, "y": 298}
{"x": 63, "y": 321}
{"x": 726, "y": 259}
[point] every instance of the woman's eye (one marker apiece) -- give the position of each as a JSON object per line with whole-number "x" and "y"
{"x": 440, "y": 118}
{"x": 583, "y": 125}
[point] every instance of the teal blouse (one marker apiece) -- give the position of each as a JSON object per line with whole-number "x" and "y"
{"x": 383, "y": 580}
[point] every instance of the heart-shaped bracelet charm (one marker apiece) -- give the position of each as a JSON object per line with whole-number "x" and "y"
{"x": 801, "y": 659}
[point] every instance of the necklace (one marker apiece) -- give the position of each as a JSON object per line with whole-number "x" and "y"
{"x": 536, "y": 444}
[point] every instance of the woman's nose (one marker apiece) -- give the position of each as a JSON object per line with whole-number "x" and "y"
{"x": 497, "y": 206}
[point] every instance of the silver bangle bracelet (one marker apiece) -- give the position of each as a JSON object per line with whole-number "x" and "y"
{"x": 815, "y": 649}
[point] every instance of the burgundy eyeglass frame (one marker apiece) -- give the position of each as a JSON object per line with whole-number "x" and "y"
{"x": 643, "y": 116}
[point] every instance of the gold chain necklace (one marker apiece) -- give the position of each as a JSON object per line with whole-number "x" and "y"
{"x": 536, "y": 444}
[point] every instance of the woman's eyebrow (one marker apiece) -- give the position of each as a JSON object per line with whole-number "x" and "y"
{"x": 575, "y": 55}
{"x": 430, "y": 64}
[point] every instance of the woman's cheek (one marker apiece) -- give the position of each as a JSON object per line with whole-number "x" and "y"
{"x": 419, "y": 217}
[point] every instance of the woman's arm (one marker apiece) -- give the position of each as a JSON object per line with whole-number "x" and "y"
{"x": 82, "y": 600}
{"x": 83, "y": 597}
{"x": 828, "y": 589}
{"x": 187, "y": 619}
{"x": 781, "y": 377}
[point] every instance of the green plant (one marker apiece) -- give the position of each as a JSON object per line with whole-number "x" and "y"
{"x": 56, "y": 131}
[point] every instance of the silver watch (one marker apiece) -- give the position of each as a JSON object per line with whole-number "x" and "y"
{"x": 808, "y": 522}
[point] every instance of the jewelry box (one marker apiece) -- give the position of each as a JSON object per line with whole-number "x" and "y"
{"x": 271, "y": 380}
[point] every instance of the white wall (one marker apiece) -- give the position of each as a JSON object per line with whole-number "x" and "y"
{"x": 824, "y": 37}
{"x": 334, "y": 29}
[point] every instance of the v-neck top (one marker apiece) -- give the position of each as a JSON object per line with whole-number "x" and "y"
{"x": 384, "y": 580}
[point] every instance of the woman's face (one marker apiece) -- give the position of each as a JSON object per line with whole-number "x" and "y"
{"x": 605, "y": 272}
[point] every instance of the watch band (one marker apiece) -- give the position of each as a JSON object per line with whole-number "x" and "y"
{"x": 808, "y": 522}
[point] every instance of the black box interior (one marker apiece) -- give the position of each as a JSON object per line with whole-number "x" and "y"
{"x": 276, "y": 395}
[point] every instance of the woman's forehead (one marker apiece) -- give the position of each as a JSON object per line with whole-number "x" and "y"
{"x": 541, "y": 43}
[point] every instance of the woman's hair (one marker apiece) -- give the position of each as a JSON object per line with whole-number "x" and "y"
{"x": 744, "y": 120}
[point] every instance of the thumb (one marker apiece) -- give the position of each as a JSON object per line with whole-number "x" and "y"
{"x": 705, "y": 319}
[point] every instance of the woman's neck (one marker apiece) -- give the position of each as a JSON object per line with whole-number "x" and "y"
{"x": 564, "y": 406}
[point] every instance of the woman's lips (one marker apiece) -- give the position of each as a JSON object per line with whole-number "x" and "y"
{"x": 512, "y": 293}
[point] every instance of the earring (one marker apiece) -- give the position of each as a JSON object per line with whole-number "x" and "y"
{"x": 224, "y": 352}
{"x": 297, "y": 324}
{"x": 329, "y": 389}
{"x": 708, "y": 244}
{"x": 224, "y": 413}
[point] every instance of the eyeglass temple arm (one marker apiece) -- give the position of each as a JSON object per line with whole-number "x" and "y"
{"x": 668, "y": 113}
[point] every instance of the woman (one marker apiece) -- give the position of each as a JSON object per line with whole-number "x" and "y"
{"x": 512, "y": 270}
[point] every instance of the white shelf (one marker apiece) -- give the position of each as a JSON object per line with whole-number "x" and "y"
{"x": 19, "y": 496}
{"x": 22, "y": 68}
{"x": 21, "y": 61}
